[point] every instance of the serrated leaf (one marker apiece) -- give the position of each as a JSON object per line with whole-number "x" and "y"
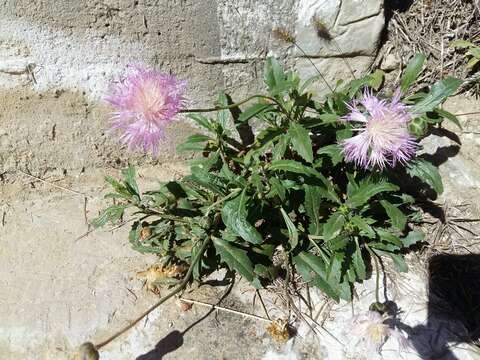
{"x": 234, "y": 215}
{"x": 111, "y": 214}
{"x": 398, "y": 218}
{"x": 306, "y": 263}
{"x": 345, "y": 291}
{"x": 236, "y": 258}
{"x": 264, "y": 140}
{"x": 412, "y": 238}
{"x": 334, "y": 151}
{"x": 427, "y": 173}
{"x": 253, "y": 111}
{"x": 365, "y": 190}
{"x": 299, "y": 168}
{"x": 201, "y": 120}
{"x": 399, "y": 262}
{"x": 389, "y": 237}
{"x": 359, "y": 222}
{"x": 358, "y": 263}
{"x": 313, "y": 197}
{"x": 413, "y": 69}
{"x": 333, "y": 226}
{"x": 274, "y": 75}
{"x": 292, "y": 230}
{"x": 301, "y": 141}
{"x": 334, "y": 272}
{"x": 449, "y": 116}
{"x": 280, "y": 147}
{"x": 194, "y": 142}
{"x": 130, "y": 182}
{"x": 438, "y": 93}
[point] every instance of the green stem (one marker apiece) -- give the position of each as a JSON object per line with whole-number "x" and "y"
{"x": 175, "y": 291}
{"x": 377, "y": 274}
{"x": 233, "y": 106}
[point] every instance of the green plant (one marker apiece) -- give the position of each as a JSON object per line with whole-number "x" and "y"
{"x": 472, "y": 54}
{"x": 284, "y": 199}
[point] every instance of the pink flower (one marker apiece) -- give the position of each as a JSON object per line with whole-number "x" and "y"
{"x": 372, "y": 329}
{"x": 384, "y": 138}
{"x": 145, "y": 101}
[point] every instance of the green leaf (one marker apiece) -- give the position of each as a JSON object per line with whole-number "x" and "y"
{"x": 307, "y": 263}
{"x": 334, "y": 151}
{"x": 358, "y": 262}
{"x": 130, "y": 182}
{"x": 264, "y": 140}
{"x": 334, "y": 272}
{"x": 313, "y": 197}
{"x": 376, "y": 79}
{"x": 253, "y": 111}
{"x": 234, "y": 215}
{"x": 345, "y": 291}
{"x": 299, "y": 168}
{"x": 398, "y": 218}
{"x": 292, "y": 230}
{"x": 235, "y": 258}
{"x": 301, "y": 141}
{"x": 277, "y": 189}
{"x": 205, "y": 179}
{"x": 389, "y": 237}
{"x": 363, "y": 226}
{"x": 473, "y": 62}
{"x": 461, "y": 44}
{"x": 438, "y": 93}
{"x": 274, "y": 75}
{"x": 474, "y": 51}
{"x": 414, "y": 68}
{"x": 111, "y": 214}
{"x": 223, "y": 116}
{"x": 194, "y": 142}
{"x": 427, "y": 173}
{"x": 449, "y": 116}
{"x": 201, "y": 121}
{"x": 399, "y": 262}
{"x": 279, "y": 149}
{"x": 412, "y": 238}
{"x": 333, "y": 226}
{"x": 118, "y": 187}
{"x": 366, "y": 190}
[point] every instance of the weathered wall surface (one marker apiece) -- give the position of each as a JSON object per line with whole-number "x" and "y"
{"x": 57, "y": 58}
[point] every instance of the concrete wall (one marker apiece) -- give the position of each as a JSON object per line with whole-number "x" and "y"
{"x": 58, "y": 56}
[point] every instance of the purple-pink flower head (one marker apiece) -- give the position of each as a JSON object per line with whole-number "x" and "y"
{"x": 145, "y": 101}
{"x": 383, "y": 139}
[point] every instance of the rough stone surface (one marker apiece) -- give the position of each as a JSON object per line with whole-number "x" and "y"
{"x": 55, "y": 66}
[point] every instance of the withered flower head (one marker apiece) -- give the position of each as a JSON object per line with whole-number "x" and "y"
{"x": 321, "y": 28}
{"x": 284, "y": 35}
{"x": 280, "y": 330}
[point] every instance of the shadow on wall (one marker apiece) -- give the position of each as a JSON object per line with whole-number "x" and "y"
{"x": 453, "y": 307}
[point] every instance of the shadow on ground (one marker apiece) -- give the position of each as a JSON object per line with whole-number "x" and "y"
{"x": 175, "y": 339}
{"x": 453, "y": 307}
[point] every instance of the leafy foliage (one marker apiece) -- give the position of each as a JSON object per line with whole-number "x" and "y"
{"x": 285, "y": 192}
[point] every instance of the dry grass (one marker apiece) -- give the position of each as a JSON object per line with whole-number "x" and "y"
{"x": 429, "y": 26}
